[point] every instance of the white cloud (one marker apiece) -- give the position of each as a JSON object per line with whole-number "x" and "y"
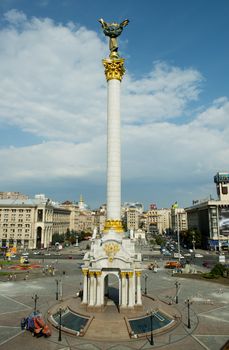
{"x": 53, "y": 159}
{"x": 163, "y": 94}
{"x": 215, "y": 117}
{"x": 15, "y": 17}
{"x": 52, "y": 85}
{"x": 52, "y": 79}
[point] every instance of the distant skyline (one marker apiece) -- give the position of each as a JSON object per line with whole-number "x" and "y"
{"x": 174, "y": 99}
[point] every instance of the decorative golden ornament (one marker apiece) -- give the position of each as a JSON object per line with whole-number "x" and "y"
{"x": 114, "y": 68}
{"x": 116, "y": 225}
{"x": 111, "y": 249}
{"x": 92, "y": 273}
{"x": 130, "y": 274}
{"x": 138, "y": 273}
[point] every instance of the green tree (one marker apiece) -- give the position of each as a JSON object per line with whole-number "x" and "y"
{"x": 187, "y": 237}
{"x": 160, "y": 240}
{"x": 56, "y": 237}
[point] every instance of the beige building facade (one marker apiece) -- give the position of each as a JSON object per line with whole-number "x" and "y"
{"x": 131, "y": 218}
{"x": 179, "y": 219}
{"x": 30, "y": 224}
{"x": 163, "y": 220}
{"x": 82, "y": 219}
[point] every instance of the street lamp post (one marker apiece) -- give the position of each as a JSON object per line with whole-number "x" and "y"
{"x": 35, "y": 298}
{"x": 193, "y": 242}
{"x": 177, "y": 284}
{"x": 188, "y": 302}
{"x": 57, "y": 289}
{"x": 146, "y": 277}
{"x": 60, "y": 324}
{"x": 151, "y": 327}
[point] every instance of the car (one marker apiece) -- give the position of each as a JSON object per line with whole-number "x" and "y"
{"x": 36, "y": 253}
{"x": 47, "y": 253}
{"x": 173, "y": 264}
{"x": 178, "y": 255}
{"x": 25, "y": 254}
{"x": 187, "y": 254}
{"x": 167, "y": 253}
{"x": 198, "y": 255}
{"x": 206, "y": 264}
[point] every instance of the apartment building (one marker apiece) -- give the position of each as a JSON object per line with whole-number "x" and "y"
{"x": 178, "y": 219}
{"x": 81, "y": 217}
{"x": 30, "y": 223}
{"x": 163, "y": 220}
{"x": 131, "y": 218}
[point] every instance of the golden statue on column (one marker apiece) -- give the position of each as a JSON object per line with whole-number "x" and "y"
{"x": 113, "y": 30}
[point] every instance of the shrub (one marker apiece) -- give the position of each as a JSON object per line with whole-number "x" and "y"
{"x": 209, "y": 276}
{"x": 218, "y": 270}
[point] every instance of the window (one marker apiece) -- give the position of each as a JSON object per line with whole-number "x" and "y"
{"x": 40, "y": 215}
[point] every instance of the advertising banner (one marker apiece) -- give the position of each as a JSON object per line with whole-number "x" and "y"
{"x": 224, "y": 221}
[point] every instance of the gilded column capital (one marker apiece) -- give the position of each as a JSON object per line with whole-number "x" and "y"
{"x": 98, "y": 273}
{"x": 113, "y": 224}
{"x": 138, "y": 273}
{"x": 130, "y": 274}
{"x": 114, "y": 68}
{"x": 123, "y": 274}
{"x": 85, "y": 271}
{"x": 92, "y": 273}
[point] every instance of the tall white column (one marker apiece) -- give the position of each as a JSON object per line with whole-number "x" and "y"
{"x": 98, "y": 298}
{"x": 85, "y": 286}
{"x": 114, "y": 70}
{"x": 131, "y": 290}
{"x": 92, "y": 286}
{"x": 139, "y": 294}
{"x": 124, "y": 301}
{"x": 113, "y": 151}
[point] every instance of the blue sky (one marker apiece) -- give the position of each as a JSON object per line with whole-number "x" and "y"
{"x": 174, "y": 104}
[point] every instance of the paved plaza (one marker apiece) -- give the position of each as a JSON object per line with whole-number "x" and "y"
{"x": 209, "y": 312}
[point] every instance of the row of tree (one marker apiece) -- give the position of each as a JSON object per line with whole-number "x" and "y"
{"x": 70, "y": 237}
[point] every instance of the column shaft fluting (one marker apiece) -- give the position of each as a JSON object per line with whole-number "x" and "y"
{"x": 113, "y": 151}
